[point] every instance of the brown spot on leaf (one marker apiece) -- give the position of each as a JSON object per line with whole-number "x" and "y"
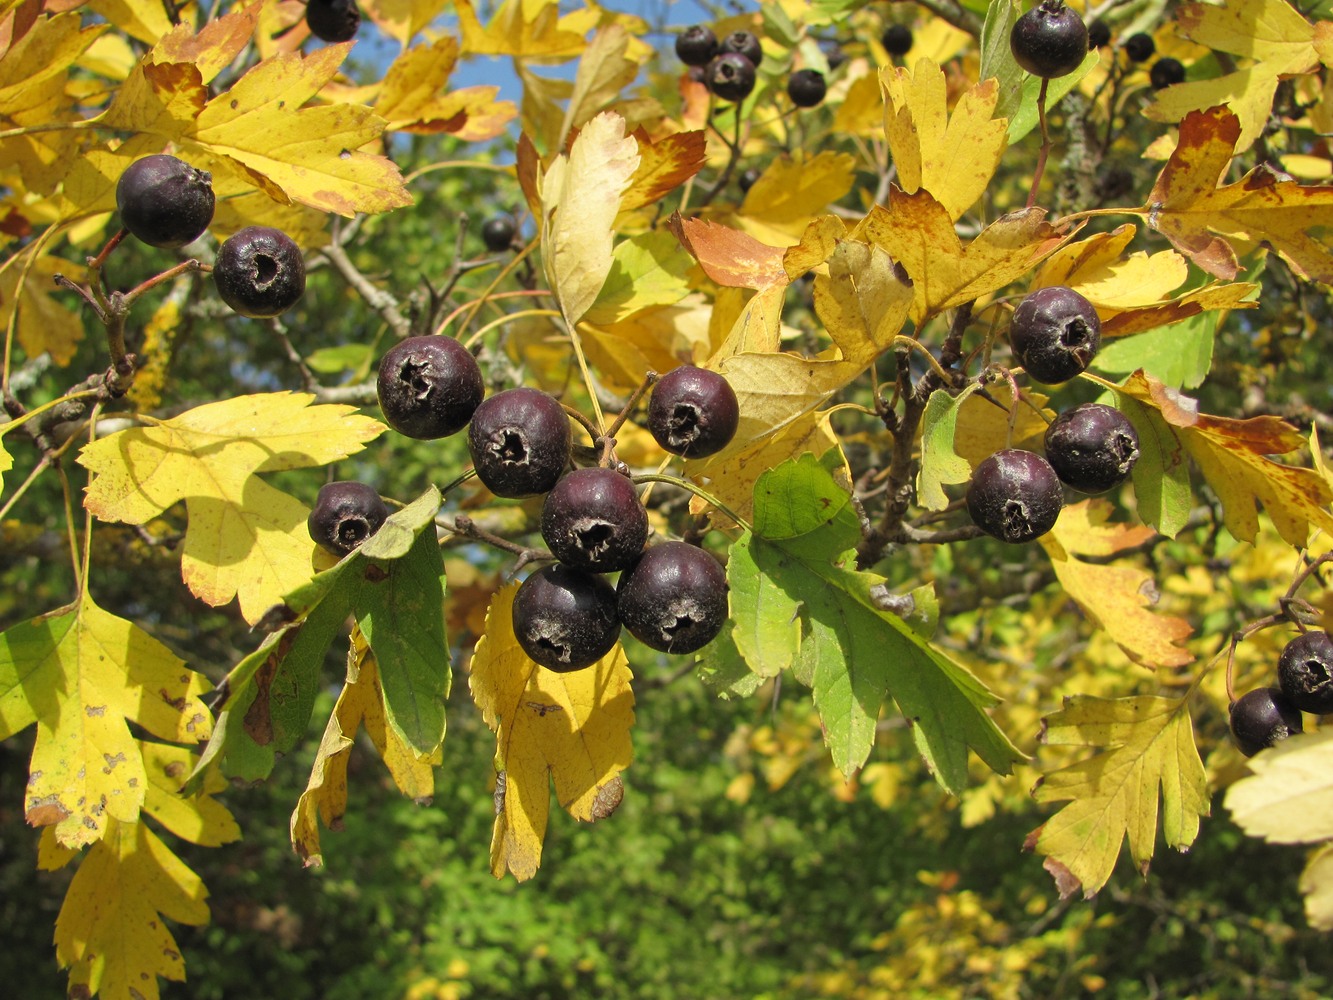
{"x": 177, "y": 703}
{"x": 45, "y": 811}
{"x": 111, "y": 762}
{"x": 94, "y": 711}
{"x": 175, "y": 769}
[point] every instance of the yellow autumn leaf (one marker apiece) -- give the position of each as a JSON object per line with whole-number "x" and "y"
{"x": 45, "y": 322}
{"x": 918, "y": 233}
{"x": 862, "y": 303}
{"x": 34, "y": 69}
{"x": 200, "y": 819}
{"x": 1271, "y": 39}
{"x": 110, "y": 932}
{"x": 1144, "y": 743}
{"x": 522, "y": 28}
{"x": 1233, "y": 456}
{"x": 412, "y": 96}
{"x": 573, "y": 728}
{"x": 1200, "y": 217}
{"x": 1289, "y": 797}
{"x": 982, "y": 425}
{"x": 145, "y": 20}
{"x": 791, "y": 191}
{"x": 951, "y": 156}
{"x": 1115, "y": 596}
{"x": 81, "y": 675}
{"x": 605, "y": 69}
{"x": 360, "y": 703}
{"x": 402, "y": 20}
{"x": 580, "y": 195}
{"x": 244, "y": 538}
{"x": 6, "y": 460}
{"x": 1316, "y": 886}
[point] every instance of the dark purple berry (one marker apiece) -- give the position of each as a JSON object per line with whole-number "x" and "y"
{"x": 674, "y": 599}
{"x": 1050, "y": 40}
{"x": 1305, "y": 672}
{"x": 593, "y": 520}
{"x": 498, "y": 233}
{"x": 1055, "y": 333}
{"x": 519, "y": 440}
{"x": 333, "y": 20}
{"x": 1166, "y": 72}
{"x": 564, "y": 618}
{"x": 1261, "y": 718}
{"x": 696, "y": 45}
{"x": 1092, "y": 447}
{"x": 1015, "y": 496}
{"x": 1140, "y": 47}
{"x": 345, "y": 515}
{"x": 743, "y": 43}
{"x": 730, "y": 76}
{"x": 164, "y": 202}
{"x": 693, "y": 412}
{"x": 897, "y": 39}
{"x": 429, "y": 387}
{"x": 833, "y": 53}
{"x": 1099, "y": 34}
{"x": 260, "y": 272}
{"x": 806, "y": 88}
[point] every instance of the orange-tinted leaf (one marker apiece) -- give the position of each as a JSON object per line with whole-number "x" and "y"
{"x": 663, "y": 166}
{"x": 729, "y": 256}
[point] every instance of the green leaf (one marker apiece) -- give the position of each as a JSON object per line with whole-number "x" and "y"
{"x": 1179, "y": 355}
{"x": 344, "y": 357}
{"x": 396, "y": 536}
{"x": 997, "y": 58}
{"x": 724, "y": 671}
{"x": 853, "y": 653}
{"x": 779, "y": 26}
{"x": 1024, "y": 118}
{"x": 940, "y": 464}
{"x": 646, "y": 270}
{"x": 1161, "y": 475}
{"x": 762, "y": 615}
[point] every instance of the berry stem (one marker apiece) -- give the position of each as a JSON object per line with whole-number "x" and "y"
{"x": 582, "y": 421}
{"x": 465, "y": 527}
{"x": 700, "y": 492}
{"x": 1045, "y": 143}
{"x": 384, "y": 303}
{"x": 98, "y": 262}
{"x": 633, "y": 401}
{"x": 185, "y": 266}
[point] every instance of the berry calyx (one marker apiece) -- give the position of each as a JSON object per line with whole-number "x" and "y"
{"x": 565, "y": 619}
{"x": 1140, "y": 47}
{"x": 1305, "y": 672}
{"x": 1261, "y": 718}
{"x": 345, "y": 515}
{"x": 1092, "y": 447}
{"x": 806, "y": 88}
{"x": 164, "y": 202}
{"x": 333, "y": 20}
{"x": 260, "y": 272}
{"x": 593, "y": 520}
{"x": 1166, "y": 72}
{"x": 519, "y": 441}
{"x": 498, "y": 233}
{"x": 696, "y": 45}
{"x": 674, "y": 599}
{"x": 1050, "y": 40}
{"x": 429, "y": 387}
{"x": 897, "y": 39}
{"x": 1015, "y": 496}
{"x": 730, "y": 76}
{"x": 743, "y": 43}
{"x": 1056, "y": 333}
{"x": 693, "y": 412}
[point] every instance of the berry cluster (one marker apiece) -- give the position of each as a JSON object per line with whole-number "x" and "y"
{"x": 1016, "y": 495}
{"x": 165, "y": 202}
{"x": 727, "y": 66}
{"x": 1139, "y": 48}
{"x": 1264, "y": 716}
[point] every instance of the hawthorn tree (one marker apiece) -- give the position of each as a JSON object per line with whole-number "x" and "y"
{"x": 848, "y": 221}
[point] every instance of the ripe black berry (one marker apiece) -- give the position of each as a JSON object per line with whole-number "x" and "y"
{"x": 833, "y": 53}
{"x": 1092, "y": 447}
{"x": 498, "y": 233}
{"x": 1050, "y": 40}
{"x": 519, "y": 440}
{"x": 897, "y": 39}
{"x": 1055, "y": 333}
{"x": 593, "y": 520}
{"x": 743, "y": 43}
{"x": 806, "y": 88}
{"x": 345, "y": 515}
{"x": 1099, "y": 33}
{"x": 1166, "y": 72}
{"x": 429, "y": 387}
{"x": 1262, "y": 717}
{"x": 1140, "y": 47}
{"x": 164, "y": 202}
{"x": 333, "y": 20}
{"x": 675, "y": 598}
{"x": 747, "y": 179}
{"x": 564, "y": 618}
{"x": 1015, "y": 496}
{"x": 260, "y": 272}
{"x": 696, "y": 45}
{"x": 1305, "y": 672}
{"x": 730, "y": 76}
{"x": 693, "y": 412}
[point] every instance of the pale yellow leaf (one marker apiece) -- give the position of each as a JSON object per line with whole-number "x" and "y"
{"x": 1317, "y": 886}
{"x": 604, "y": 71}
{"x": 200, "y": 819}
{"x": 1289, "y": 797}
{"x": 792, "y": 190}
